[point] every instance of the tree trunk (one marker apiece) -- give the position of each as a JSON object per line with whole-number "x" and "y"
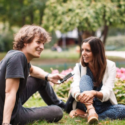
{"x": 23, "y": 20}
{"x": 105, "y": 29}
{"x": 105, "y": 34}
{"x": 80, "y": 40}
{"x": 87, "y": 34}
{"x": 31, "y": 17}
{"x": 41, "y": 16}
{"x": 83, "y": 35}
{"x": 22, "y": 14}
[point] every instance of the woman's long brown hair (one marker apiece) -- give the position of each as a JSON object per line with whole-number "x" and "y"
{"x": 99, "y": 58}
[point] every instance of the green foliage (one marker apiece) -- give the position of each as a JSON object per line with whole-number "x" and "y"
{"x": 20, "y": 12}
{"x": 63, "y": 90}
{"x": 115, "y": 43}
{"x": 83, "y": 14}
{"x": 16, "y": 13}
{"x": 36, "y": 101}
{"x": 6, "y": 42}
{"x": 70, "y": 54}
{"x": 120, "y": 91}
{"x": 53, "y": 41}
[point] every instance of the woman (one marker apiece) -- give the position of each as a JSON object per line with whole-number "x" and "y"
{"x": 93, "y": 83}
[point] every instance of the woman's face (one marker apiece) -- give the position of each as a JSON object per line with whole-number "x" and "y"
{"x": 87, "y": 53}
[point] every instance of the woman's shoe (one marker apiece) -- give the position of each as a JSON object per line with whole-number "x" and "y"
{"x": 92, "y": 118}
{"x": 78, "y": 112}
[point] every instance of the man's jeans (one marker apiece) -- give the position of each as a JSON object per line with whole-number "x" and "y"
{"x": 51, "y": 113}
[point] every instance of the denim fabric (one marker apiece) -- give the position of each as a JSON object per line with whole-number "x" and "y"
{"x": 49, "y": 113}
{"x": 103, "y": 109}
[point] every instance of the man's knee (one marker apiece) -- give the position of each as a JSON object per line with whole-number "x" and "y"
{"x": 36, "y": 82}
{"x": 57, "y": 113}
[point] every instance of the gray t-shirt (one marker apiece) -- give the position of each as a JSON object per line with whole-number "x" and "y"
{"x": 13, "y": 65}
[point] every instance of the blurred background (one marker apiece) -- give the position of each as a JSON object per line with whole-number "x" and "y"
{"x": 68, "y": 22}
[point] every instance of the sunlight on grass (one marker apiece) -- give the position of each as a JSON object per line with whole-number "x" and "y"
{"x": 70, "y": 54}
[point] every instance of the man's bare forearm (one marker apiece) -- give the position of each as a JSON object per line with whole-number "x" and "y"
{"x": 10, "y": 99}
{"x": 37, "y": 72}
{"x": 41, "y": 74}
{"x": 11, "y": 89}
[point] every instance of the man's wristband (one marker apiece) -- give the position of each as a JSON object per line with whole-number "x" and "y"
{"x": 46, "y": 77}
{"x": 6, "y": 124}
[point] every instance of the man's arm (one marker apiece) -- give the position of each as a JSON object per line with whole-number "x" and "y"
{"x": 39, "y": 73}
{"x": 11, "y": 89}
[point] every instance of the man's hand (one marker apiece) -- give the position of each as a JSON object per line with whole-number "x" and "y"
{"x": 54, "y": 78}
{"x": 39, "y": 73}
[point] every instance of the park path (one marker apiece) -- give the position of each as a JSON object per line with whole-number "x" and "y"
{"x": 116, "y": 53}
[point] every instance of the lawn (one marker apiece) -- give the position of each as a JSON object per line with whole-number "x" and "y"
{"x": 51, "y": 59}
{"x": 62, "y": 60}
{"x": 35, "y": 101}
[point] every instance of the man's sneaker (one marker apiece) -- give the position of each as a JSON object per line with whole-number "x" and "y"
{"x": 62, "y": 105}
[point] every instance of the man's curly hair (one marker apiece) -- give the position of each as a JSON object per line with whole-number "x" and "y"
{"x": 26, "y": 35}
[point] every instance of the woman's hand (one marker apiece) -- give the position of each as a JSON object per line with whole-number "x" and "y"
{"x": 87, "y": 96}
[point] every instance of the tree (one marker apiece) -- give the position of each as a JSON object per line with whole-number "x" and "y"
{"x": 16, "y": 13}
{"x": 21, "y": 12}
{"x": 85, "y": 15}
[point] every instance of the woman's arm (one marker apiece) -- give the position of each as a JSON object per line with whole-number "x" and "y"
{"x": 108, "y": 81}
{"x": 75, "y": 90}
{"x": 87, "y": 96}
{"x": 11, "y": 89}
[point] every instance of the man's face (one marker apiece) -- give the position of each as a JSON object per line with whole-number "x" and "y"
{"x": 34, "y": 49}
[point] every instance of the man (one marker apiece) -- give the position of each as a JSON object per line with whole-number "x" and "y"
{"x": 19, "y": 80}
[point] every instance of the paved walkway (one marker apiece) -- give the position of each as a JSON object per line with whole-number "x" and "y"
{"x": 116, "y": 53}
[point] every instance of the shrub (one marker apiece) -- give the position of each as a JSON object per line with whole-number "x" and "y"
{"x": 119, "y": 89}
{"x": 6, "y": 42}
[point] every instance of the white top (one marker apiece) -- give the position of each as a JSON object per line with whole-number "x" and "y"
{"x": 108, "y": 81}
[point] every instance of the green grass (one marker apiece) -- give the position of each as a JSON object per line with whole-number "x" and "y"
{"x": 48, "y": 54}
{"x": 116, "y": 43}
{"x": 69, "y": 54}
{"x": 121, "y": 49}
{"x": 2, "y": 55}
{"x": 59, "y": 67}
{"x": 35, "y": 101}
{"x": 63, "y": 60}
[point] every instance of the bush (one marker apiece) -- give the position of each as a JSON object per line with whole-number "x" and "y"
{"x": 120, "y": 85}
{"x": 6, "y": 42}
{"x": 63, "y": 90}
{"x": 119, "y": 89}
{"x": 115, "y": 42}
